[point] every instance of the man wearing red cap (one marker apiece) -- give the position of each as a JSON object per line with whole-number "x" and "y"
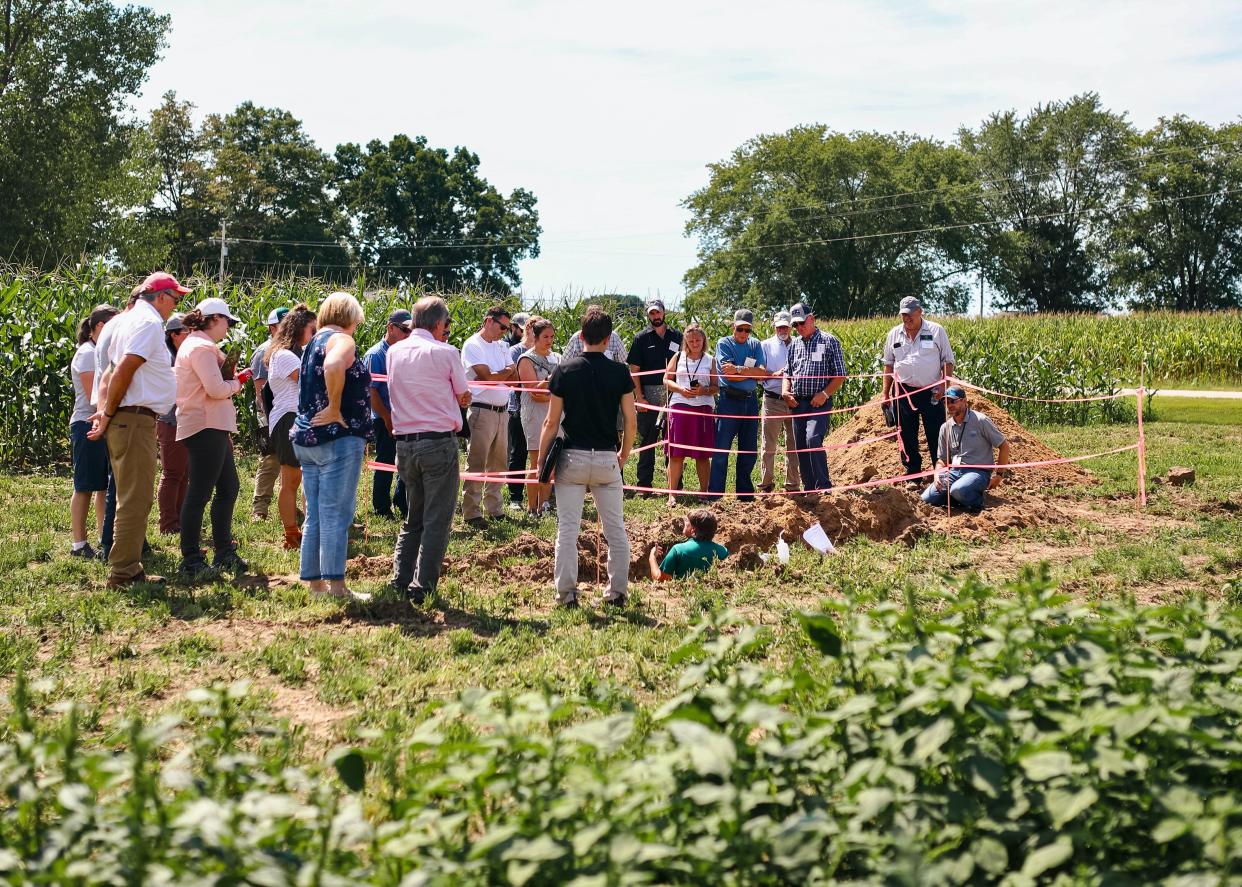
{"x": 140, "y": 388}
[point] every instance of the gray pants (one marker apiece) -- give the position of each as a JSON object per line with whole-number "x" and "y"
{"x": 488, "y": 453}
{"x": 576, "y": 472}
{"x": 777, "y": 415}
{"x": 430, "y": 472}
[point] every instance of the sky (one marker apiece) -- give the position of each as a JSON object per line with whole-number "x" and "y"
{"x": 611, "y": 114}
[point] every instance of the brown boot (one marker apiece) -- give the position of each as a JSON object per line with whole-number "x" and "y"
{"x": 293, "y": 538}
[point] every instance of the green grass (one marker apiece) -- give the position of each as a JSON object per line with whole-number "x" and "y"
{"x": 1202, "y": 411}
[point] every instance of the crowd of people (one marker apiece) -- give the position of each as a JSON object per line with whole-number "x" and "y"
{"x": 155, "y": 386}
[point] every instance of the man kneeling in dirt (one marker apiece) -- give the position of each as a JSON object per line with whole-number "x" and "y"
{"x": 964, "y": 464}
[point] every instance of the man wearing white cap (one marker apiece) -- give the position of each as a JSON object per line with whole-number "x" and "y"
{"x": 916, "y": 356}
{"x": 140, "y": 389}
{"x": 269, "y": 462}
{"x": 776, "y": 413}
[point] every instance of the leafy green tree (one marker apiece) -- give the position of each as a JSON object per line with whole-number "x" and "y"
{"x": 67, "y": 71}
{"x": 1178, "y": 241}
{"x": 271, "y": 184}
{"x": 421, "y": 214}
{"x": 849, "y": 223}
{"x": 1051, "y": 183}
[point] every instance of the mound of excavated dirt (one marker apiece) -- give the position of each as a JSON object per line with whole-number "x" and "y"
{"x": 883, "y": 459}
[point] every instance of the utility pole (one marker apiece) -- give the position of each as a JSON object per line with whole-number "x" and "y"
{"x": 981, "y": 292}
{"x": 224, "y": 251}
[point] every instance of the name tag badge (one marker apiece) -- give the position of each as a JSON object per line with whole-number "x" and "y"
{"x": 957, "y": 460}
{"x": 928, "y": 344}
{"x": 818, "y": 355}
{"x": 674, "y": 346}
{"x": 748, "y": 362}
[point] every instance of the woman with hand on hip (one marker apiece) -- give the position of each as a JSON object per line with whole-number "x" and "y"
{"x": 284, "y": 368}
{"x": 206, "y": 423}
{"x": 330, "y": 435}
{"x": 534, "y": 368}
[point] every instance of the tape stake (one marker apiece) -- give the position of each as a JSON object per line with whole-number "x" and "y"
{"x": 1142, "y": 450}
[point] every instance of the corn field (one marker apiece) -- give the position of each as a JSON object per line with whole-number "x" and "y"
{"x": 1041, "y": 356}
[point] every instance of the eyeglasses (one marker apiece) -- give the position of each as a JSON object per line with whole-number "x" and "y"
{"x": 742, "y": 329}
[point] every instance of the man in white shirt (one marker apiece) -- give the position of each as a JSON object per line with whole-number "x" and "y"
{"x": 916, "y": 357}
{"x": 485, "y": 355}
{"x": 140, "y": 389}
{"x": 776, "y": 413}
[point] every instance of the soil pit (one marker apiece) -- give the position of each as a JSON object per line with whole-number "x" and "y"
{"x": 883, "y": 459}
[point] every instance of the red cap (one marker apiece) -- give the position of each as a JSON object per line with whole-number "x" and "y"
{"x": 160, "y": 281}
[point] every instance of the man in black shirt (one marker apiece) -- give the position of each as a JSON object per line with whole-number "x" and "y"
{"x": 652, "y": 349}
{"x": 587, "y": 391}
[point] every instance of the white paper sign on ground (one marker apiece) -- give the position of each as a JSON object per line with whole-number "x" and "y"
{"x": 818, "y": 539}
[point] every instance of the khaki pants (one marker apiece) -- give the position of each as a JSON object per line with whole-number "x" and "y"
{"x": 132, "y": 448}
{"x": 576, "y": 472}
{"x": 776, "y": 415}
{"x": 489, "y": 452}
{"x": 265, "y": 483}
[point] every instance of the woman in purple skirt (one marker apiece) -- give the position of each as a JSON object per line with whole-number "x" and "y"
{"x": 691, "y": 379}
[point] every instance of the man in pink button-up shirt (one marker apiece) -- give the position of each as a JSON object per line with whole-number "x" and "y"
{"x": 428, "y": 390}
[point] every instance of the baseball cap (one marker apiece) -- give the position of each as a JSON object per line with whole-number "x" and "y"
{"x": 655, "y": 304}
{"x": 174, "y": 324}
{"x": 743, "y": 316}
{"x": 909, "y": 303}
{"x": 160, "y": 281}
{"x": 955, "y": 392}
{"x": 520, "y": 320}
{"x": 207, "y": 307}
{"x": 276, "y": 315}
{"x": 800, "y": 312}
{"x": 781, "y": 319}
{"x": 401, "y": 318}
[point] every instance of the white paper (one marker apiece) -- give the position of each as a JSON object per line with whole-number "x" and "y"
{"x": 749, "y": 362}
{"x": 957, "y": 460}
{"x": 928, "y": 344}
{"x": 674, "y": 346}
{"x": 818, "y": 355}
{"x": 818, "y": 539}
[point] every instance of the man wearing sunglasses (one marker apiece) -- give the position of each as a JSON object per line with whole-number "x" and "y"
{"x": 140, "y": 388}
{"x": 485, "y": 355}
{"x": 742, "y": 364}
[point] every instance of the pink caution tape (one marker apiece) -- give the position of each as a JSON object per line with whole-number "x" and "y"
{"x": 845, "y": 446}
{"x": 958, "y": 381}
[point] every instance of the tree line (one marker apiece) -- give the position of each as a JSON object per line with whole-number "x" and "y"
{"x": 1069, "y": 207}
{"x": 83, "y": 176}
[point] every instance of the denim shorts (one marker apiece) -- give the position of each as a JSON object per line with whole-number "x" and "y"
{"x": 90, "y": 460}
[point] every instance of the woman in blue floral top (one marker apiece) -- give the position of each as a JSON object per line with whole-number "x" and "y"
{"x": 330, "y": 435}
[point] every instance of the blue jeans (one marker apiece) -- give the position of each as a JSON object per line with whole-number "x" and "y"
{"x": 747, "y": 433}
{"x": 809, "y": 431}
{"x": 966, "y": 486}
{"x": 330, "y": 475}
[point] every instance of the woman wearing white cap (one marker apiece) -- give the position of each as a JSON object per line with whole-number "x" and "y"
{"x": 206, "y": 422}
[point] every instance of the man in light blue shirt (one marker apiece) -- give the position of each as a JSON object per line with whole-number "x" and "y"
{"x": 741, "y": 362}
{"x": 376, "y": 359}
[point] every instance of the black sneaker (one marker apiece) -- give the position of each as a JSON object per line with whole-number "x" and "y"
{"x": 197, "y": 570}
{"x": 102, "y": 553}
{"x": 84, "y": 552}
{"x": 146, "y": 547}
{"x": 230, "y": 562}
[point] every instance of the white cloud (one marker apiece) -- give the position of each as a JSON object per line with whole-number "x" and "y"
{"x": 610, "y": 114}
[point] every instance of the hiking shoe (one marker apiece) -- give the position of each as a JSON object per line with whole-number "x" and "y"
{"x": 230, "y": 561}
{"x": 477, "y": 523}
{"x": 84, "y": 552}
{"x": 615, "y": 601}
{"x": 197, "y": 570}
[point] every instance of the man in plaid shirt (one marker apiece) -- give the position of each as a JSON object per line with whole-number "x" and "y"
{"x": 814, "y": 357}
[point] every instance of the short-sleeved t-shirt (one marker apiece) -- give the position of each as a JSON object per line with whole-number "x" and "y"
{"x": 973, "y": 440}
{"x": 376, "y": 360}
{"x": 477, "y": 351}
{"x": 651, "y": 352}
{"x": 83, "y": 362}
{"x": 257, "y": 366}
{"x": 917, "y": 361}
{"x": 284, "y": 390}
{"x": 591, "y": 387}
{"x": 749, "y": 354}
{"x": 691, "y": 556}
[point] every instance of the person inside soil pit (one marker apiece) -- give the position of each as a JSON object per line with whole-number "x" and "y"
{"x": 964, "y": 471}
{"x": 695, "y": 555}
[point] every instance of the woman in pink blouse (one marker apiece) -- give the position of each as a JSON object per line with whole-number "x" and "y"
{"x": 206, "y": 423}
